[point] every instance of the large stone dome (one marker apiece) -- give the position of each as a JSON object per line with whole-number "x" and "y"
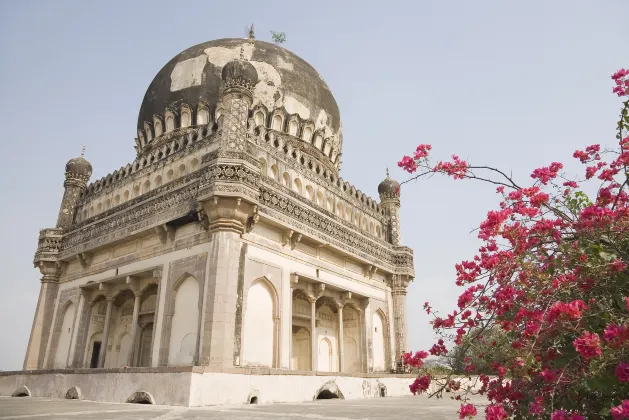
{"x": 284, "y": 81}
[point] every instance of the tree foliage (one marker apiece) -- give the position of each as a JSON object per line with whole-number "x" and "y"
{"x": 550, "y": 281}
{"x": 278, "y": 37}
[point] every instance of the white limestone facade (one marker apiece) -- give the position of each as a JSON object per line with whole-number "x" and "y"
{"x": 231, "y": 242}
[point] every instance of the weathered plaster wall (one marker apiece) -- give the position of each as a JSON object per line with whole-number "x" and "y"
{"x": 169, "y": 388}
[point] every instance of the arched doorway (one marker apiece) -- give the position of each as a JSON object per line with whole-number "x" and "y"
{"x": 325, "y": 356}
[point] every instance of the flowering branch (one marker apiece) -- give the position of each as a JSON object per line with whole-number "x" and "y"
{"x": 551, "y": 278}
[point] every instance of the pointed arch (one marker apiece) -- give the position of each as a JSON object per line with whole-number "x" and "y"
{"x": 184, "y": 324}
{"x": 261, "y": 324}
{"x": 203, "y": 114}
{"x": 380, "y": 339}
{"x": 63, "y": 334}
{"x": 169, "y": 117}
{"x": 325, "y": 355}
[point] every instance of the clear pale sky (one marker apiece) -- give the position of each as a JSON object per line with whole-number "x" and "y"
{"x": 512, "y": 84}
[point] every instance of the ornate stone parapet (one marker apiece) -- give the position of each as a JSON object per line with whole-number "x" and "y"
{"x": 48, "y": 246}
{"x": 403, "y": 261}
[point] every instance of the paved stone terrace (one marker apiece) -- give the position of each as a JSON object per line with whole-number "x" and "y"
{"x": 382, "y": 408}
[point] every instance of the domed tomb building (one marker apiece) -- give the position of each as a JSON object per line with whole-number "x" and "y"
{"x": 230, "y": 242}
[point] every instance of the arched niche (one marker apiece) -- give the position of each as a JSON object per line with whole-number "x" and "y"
{"x": 203, "y": 114}
{"x": 65, "y": 336}
{"x": 186, "y": 116}
{"x": 306, "y": 134}
{"x": 184, "y": 325}
{"x": 301, "y": 359}
{"x": 379, "y": 340}
{"x": 320, "y": 198}
{"x": 325, "y": 362}
{"x": 298, "y": 186}
{"x": 286, "y": 180}
{"x": 260, "y": 327}
{"x": 258, "y": 118}
{"x": 310, "y": 192}
{"x": 124, "y": 348}
{"x": 157, "y": 124}
{"x": 277, "y": 122}
{"x": 293, "y": 126}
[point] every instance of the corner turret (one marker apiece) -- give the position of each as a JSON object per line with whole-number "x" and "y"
{"x": 78, "y": 172}
{"x": 389, "y": 191}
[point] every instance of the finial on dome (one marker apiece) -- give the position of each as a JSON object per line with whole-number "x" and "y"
{"x": 242, "y": 51}
{"x": 387, "y": 171}
{"x": 251, "y": 33}
{"x": 83, "y": 151}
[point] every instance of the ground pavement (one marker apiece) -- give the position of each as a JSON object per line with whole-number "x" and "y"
{"x": 401, "y": 408}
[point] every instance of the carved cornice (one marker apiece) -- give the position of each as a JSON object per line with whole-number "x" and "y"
{"x": 235, "y": 179}
{"x": 325, "y": 230}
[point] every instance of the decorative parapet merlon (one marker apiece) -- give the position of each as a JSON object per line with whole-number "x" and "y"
{"x": 403, "y": 261}
{"x": 48, "y": 246}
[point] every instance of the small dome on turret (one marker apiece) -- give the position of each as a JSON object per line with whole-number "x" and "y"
{"x": 389, "y": 188}
{"x": 241, "y": 73}
{"x": 79, "y": 167}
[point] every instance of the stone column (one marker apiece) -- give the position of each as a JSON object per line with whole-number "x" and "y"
{"x": 341, "y": 362}
{"x": 103, "y": 346}
{"x": 76, "y": 336}
{"x": 219, "y": 322}
{"x": 42, "y": 322}
{"x": 364, "y": 325}
{"x": 134, "y": 325}
{"x": 290, "y": 328}
{"x": 361, "y": 345}
{"x": 313, "y": 335}
{"x": 398, "y": 293}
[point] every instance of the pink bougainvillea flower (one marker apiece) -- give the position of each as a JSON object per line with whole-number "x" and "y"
{"x": 620, "y": 412}
{"x": 467, "y": 411}
{"x": 588, "y": 345}
{"x": 622, "y": 372}
{"x": 495, "y": 412}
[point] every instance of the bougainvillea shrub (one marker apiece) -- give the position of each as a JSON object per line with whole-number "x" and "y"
{"x": 552, "y": 276}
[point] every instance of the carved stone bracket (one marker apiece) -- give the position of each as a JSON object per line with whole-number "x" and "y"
{"x": 287, "y": 237}
{"x": 251, "y": 222}
{"x": 345, "y": 297}
{"x": 85, "y": 259}
{"x": 295, "y": 241}
{"x": 165, "y": 233}
{"x": 133, "y": 283}
{"x": 204, "y": 219}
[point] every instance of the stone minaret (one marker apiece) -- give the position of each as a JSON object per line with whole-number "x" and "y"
{"x": 389, "y": 191}
{"x": 229, "y": 200}
{"x": 78, "y": 172}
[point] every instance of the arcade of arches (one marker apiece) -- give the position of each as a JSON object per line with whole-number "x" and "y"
{"x": 117, "y": 320}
